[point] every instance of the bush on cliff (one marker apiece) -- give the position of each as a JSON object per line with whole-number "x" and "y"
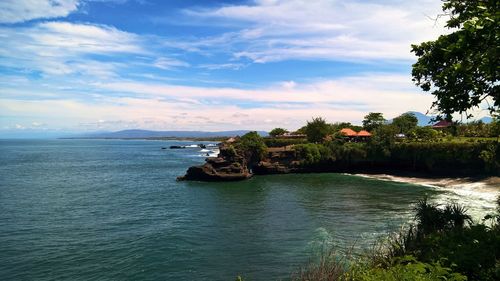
{"x": 275, "y": 142}
{"x": 252, "y": 144}
{"x": 349, "y": 152}
{"x": 448, "y": 155}
{"x": 313, "y": 154}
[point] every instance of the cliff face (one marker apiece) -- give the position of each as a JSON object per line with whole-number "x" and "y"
{"x": 228, "y": 166}
{"x": 232, "y": 165}
{"x": 281, "y": 160}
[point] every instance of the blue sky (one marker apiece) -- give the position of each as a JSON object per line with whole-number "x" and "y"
{"x": 75, "y": 66}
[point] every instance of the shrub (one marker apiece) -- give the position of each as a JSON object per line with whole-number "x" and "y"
{"x": 253, "y": 145}
{"x": 406, "y": 268}
{"x": 278, "y": 142}
{"x": 277, "y": 132}
{"x": 447, "y": 235}
{"x": 312, "y": 154}
{"x": 331, "y": 265}
{"x": 423, "y": 134}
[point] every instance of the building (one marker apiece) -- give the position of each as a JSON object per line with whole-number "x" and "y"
{"x": 350, "y": 133}
{"x": 355, "y": 136}
{"x": 363, "y": 135}
{"x": 442, "y": 124}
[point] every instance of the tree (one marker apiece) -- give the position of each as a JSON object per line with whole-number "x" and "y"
{"x": 253, "y": 146}
{"x": 317, "y": 129}
{"x": 423, "y": 134}
{"x": 405, "y": 122}
{"x": 461, "y": 68}
{"x": 277, "y": 132}
{"x": 383, "y": 139}
{"x": 373, "y": 120}
{"x": 301, "y": 130}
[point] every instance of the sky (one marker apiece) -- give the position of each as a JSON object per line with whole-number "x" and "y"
{"x": 97, "y": 65}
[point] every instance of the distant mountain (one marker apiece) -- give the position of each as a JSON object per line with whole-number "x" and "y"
{"x": 139, "y": 134}
{"x": 423, "y": 120}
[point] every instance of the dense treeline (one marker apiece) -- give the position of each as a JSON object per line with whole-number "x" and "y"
{"x": 279, "y": 142}
{"x": 446, "y": 157}
{"x": 402, "y": 144}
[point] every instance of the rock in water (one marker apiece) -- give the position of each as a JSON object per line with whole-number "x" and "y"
{"x": 227, "y": 167}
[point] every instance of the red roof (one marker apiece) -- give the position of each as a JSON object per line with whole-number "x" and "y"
{"x": 364, "y": 133}
{"x": 348, "y": 132}
{"x": 442, "y": 124}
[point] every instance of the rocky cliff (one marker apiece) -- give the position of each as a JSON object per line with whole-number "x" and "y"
{"x": 232, "y": 165}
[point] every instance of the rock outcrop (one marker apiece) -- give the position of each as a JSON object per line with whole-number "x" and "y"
{"x": 228, "y": 166}
{"x": 279, "y": 160}
{"x": 233, "y": 165}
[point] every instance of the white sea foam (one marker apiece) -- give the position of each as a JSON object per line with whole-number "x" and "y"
{"x": 478, "y": 196}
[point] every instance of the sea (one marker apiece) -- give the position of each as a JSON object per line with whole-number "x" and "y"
{"x": 113, "y": 210}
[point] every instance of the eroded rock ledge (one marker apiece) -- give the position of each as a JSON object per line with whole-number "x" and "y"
{"x": 233, "y": 165}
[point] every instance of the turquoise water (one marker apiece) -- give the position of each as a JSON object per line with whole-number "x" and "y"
{"x": 112, "y": 210}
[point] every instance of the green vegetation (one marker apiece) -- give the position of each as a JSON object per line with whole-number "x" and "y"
{"x": 253, "y": 145}
{"x": 406, "y": 268}
{"x": 277, "y": 132}
{"x": 312, "y": 154}
{"x": 317, "y": 129}
{"x": 405, "y": 122}
{"x": 373, "y": 120}
{"x": 279, "y": 142}
{"x": 423, "y": 134}
{"x": 443, "y": 244}
{"x": 461, "y": 68}
{"x": 470, "y": 148}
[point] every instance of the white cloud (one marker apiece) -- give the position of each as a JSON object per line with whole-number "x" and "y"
{"x": 169, "y": 63}
{"x": 83, "y": 38}
{"x": 62, "y": 48}
{"x": 164, "y": 106}
{"x": 326, "y": 29}
{"x": 372, "y": 90}
{"x": 13, "y": 11}
{"x": 233, "y": 66}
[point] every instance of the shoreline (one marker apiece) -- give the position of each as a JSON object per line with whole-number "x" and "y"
{"x": 475, "y": 193}
{"x": 433, "y": 180}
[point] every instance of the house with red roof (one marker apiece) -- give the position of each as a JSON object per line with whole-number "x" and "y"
{"x": 352, "y": 135}
{"x": 348, "y": 132}
{"x": 364, "y": 133}
{"x": 442, "y": 124}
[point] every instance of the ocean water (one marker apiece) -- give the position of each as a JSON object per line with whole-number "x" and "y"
{"x": 113, "y": 210}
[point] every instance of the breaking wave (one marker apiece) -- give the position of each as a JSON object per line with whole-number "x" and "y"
{"x": 478, "y": 196}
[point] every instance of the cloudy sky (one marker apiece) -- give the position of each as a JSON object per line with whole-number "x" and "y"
{"x": 74, "y": 66}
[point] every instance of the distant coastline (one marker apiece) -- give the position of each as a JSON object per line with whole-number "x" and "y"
{"x": 213, "y": 139}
